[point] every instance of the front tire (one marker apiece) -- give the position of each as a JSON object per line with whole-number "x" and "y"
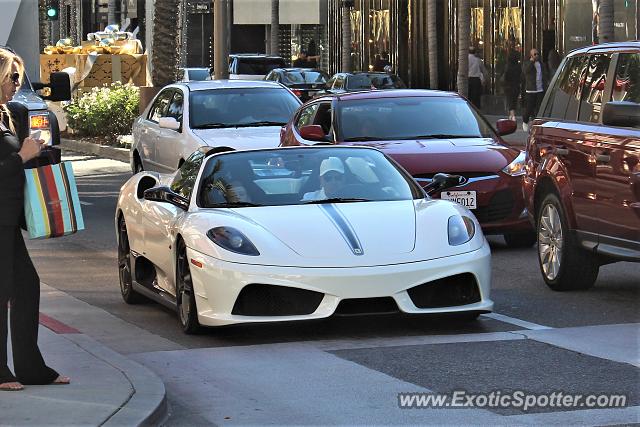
{"x": 563, "y": 263}
{"x": 185, "y": 295}
{"x": 124, "y": 266}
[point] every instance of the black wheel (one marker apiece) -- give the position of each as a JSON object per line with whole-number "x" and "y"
{"x": 137, "y": 164}
{"x": 187, "y": 311}
{"x": 564, "y": 264}
{"x": 124, "y": 266}
{"x": 520, "y": 240}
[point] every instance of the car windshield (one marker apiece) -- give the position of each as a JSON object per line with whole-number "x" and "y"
{"x": 374, "y": 81}
{"x": 299, "y": 176}
{"x": 410, "y": 118}
{"x": 219, "y": 108}
{"x": 195, "y": 74}
{"x": 259, "y": 66}
{"x": 303, "y": 77}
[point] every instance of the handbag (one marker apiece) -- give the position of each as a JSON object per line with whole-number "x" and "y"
{"x": 51, "y": 202}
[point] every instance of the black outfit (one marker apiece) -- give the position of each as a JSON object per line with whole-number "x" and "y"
{"x": 380, "y": 63}
{"x": 533, "y": 99}
{"x": 475, "y": 91}
{"x": 305, "y": 63}
{"x": 19, "y": 282}
{"x": 511, "y": 84}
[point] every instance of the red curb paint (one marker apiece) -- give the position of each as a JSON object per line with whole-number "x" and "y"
{"x": 56, "y": 326}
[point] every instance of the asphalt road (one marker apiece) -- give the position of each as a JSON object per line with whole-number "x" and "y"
{"x": 84, "y": 267}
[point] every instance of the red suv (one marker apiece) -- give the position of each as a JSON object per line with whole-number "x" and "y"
{"x": 427, "y": 132}
{"x": 582, "y": 185}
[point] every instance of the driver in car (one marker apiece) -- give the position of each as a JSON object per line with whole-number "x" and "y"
{"x": 332, "y": 179}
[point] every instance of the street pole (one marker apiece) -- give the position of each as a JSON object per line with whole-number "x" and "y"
{"x": 220, "y": 39}
{"x": 275, "y": 28}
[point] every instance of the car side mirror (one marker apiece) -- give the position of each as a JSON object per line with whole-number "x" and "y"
{"x": 168, "y": 123}
{"x": 313, "y": 133}
{"x": 505, "y": 127}
{"x": 621, "y": 113}
{"x": 60, "y": 86}
{"x": 166, "y": 195}
{"x": 442, "y": 181}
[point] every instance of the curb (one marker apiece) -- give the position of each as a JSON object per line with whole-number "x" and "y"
{"x": 104, "y": 151}
{"x": 147, "y": 406}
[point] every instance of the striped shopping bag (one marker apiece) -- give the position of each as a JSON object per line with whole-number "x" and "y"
{"x": 51, "y": 202}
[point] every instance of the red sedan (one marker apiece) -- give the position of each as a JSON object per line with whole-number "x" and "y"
{"x": 428, "y": 132}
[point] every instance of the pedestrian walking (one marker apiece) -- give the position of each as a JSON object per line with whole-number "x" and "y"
{"x": 511, "y": 82}
{"x": 477, "y": 74}
{"x": 535, "y": 82}
{"x": 382, "y": 63}
{"x": 20, "y": 284}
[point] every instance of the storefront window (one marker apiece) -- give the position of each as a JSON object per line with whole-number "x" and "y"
{"x": 625, "y": 20}
{"x": 356, "y": 39}
{"x": 379, "y": 39}
{"x": 507, "y": 37}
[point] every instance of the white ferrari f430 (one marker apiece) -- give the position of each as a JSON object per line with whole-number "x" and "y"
{"x": 297, "y": 233}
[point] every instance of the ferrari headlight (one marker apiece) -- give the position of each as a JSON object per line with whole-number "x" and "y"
{"x": 461, "y": 230}
{"x": 232, "y": 240}
{"x": 516, "y": 167}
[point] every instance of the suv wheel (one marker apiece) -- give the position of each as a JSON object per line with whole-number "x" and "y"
{"x": 563, "y": 263}
{"x": 520, "y": 240}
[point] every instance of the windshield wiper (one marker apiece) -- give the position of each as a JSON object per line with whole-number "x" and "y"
{"x": 364, "y": 138}
{"x": 235, "y": 205}
{"x": 443, "y": 136}
{"x": 335, "y": 200}
{"x": 261, "y": 123}
{"x": 213, "y": 126}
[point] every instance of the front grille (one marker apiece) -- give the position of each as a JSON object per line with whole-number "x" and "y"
{"x": 269, "y": 300}
{"x": 367, "y": 306}
{"x": 500, "y": 207}
{"x": 452, "y": 291}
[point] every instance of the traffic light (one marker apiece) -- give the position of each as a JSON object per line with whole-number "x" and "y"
{"x": 53, "y": 10}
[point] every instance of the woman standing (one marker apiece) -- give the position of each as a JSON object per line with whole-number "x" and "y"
{"x": 19, "y": 283}
{"x": 512, "y": 79}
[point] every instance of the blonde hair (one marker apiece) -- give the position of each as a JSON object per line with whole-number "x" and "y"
{"x": 7, "y": 59}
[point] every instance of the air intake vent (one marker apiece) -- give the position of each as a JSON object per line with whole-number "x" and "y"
{"x": 461, "y": 289}
{"x": 268, "y": 300}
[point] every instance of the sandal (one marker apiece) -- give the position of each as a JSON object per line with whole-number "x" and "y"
{"x": 61, "y": 380}
{"x": 11, "y": 386}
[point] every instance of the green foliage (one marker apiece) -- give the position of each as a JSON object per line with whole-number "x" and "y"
{"x": 104, "y": 112}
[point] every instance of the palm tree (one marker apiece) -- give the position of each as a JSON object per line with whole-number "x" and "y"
{"x": 275, "y": 27}
{"x": 605, "y": 21}
{"x": 464, "y": 29}
{"x": 432, "y": 38}
{"x": 164, "y": 57}
{"x": 346, "y": 36}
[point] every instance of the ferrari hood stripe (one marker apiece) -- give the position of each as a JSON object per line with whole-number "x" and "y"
{"x": 343, "y": 226}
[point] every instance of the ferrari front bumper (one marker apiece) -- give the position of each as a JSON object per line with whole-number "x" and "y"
{"x": 218, "y": 284}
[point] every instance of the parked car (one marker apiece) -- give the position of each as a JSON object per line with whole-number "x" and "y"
{"x": 253, "y": 66}
{"x": 246, "y": 245}
{"x": 428, "y": 132}
{"x": 305, "y": 83}
{"x": 193, "y": 74}
{"x": 217, "y": 113}
{"x": 30, "y": 111}
{"x": 583, "y": 166}
{"x": 357, "y": 81}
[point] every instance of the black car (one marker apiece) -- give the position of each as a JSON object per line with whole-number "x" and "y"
{"x": 304, "y": 82}
{"x": 362, "y": 80}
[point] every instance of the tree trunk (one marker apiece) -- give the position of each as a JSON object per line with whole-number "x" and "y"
{"x": 165, "y": 41}
{"x": 432, "y": 38}
{"x": 605, "y": 21}
{"x": 464, "y": 29}
{"x": 346, "y": 37}
{"x": 275, "y": 28}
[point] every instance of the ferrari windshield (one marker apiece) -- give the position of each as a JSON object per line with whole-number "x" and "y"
{"x": 299, "y": 176}
{"x": 428, "y": 117}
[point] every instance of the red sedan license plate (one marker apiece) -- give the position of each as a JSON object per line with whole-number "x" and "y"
{"x": 465, "y": 198}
